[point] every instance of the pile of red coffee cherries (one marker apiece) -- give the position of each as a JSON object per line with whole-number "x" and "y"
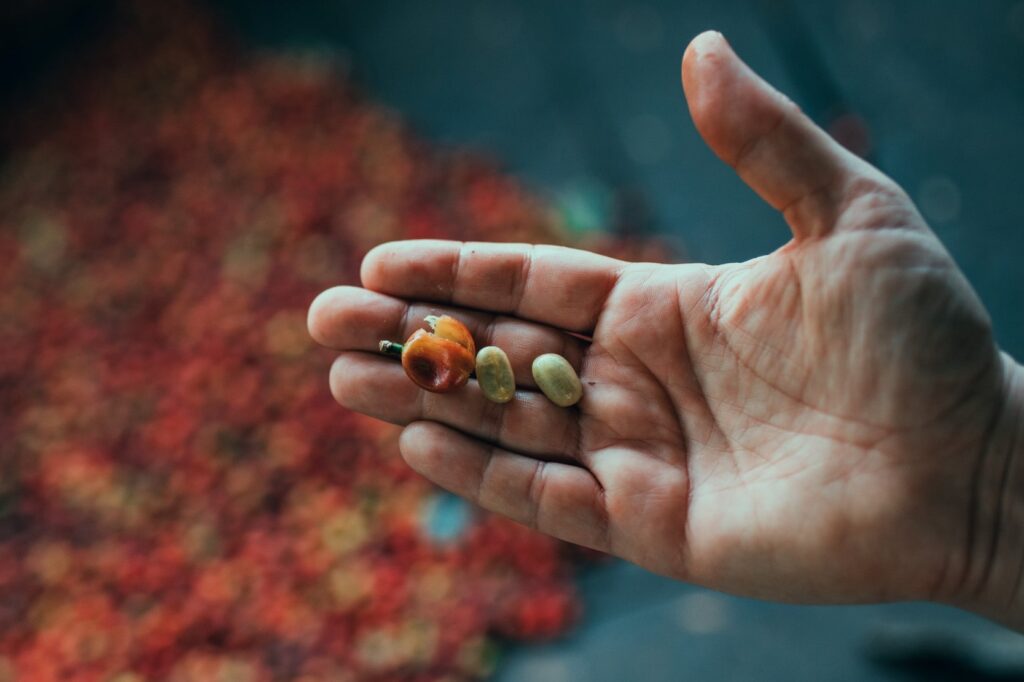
{"x": 180, "y": 499}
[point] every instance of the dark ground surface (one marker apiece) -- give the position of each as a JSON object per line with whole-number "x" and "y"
{"x": 582, "y": 100}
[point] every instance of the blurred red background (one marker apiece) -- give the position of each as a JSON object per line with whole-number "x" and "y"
{"x": 179, "y": 496}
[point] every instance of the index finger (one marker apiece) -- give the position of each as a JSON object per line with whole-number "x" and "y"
{"x": 563, "y": 287}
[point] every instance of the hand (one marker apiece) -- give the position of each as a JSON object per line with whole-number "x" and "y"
{"x": 811, "y": 425}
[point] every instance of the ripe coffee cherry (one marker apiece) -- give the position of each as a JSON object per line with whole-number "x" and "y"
{"x": 439, "y": 360}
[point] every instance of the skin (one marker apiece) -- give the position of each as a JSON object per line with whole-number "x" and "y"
{"x": 831, "y": 422}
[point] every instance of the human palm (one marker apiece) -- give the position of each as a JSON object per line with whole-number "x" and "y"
{"x": 800, "y": 426}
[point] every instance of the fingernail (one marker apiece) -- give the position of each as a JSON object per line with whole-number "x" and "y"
{"x": 707, "y": 38}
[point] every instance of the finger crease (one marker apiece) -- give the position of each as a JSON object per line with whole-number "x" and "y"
{"x": 403, "y": 323}
{"x": 793, "y": 206}
{"x": 456, "y": 268}
{"x": 494, "y": 415}
{"x": 422, "y": 407}
{"x": 487, "y": 331}
{"x": 484, "y": 475}
{"x": 613, "y": 282}
{"x": 524, "y": 277}
{"x": 750, "y": 146}
{"x": 535, "y": 492}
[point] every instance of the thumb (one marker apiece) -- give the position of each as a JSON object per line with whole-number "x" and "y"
{"x": 788, "y": 160}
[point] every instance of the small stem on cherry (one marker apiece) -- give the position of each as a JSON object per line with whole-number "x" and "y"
{"x": 391, "y": 348}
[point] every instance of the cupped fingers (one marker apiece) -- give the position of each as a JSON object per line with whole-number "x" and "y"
{"x": 563, "y": 500}
{"x": 378, "y": 386}
{"x": 350, "y": 318}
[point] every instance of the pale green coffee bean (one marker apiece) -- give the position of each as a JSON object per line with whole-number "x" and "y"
{"x": 556, "y": 377}
{"x": 494, "y": 374}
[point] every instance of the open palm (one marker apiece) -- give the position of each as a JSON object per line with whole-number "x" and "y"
{"x": 802, "y": 426}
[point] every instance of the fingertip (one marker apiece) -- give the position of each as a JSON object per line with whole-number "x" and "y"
{"x": 703, "y": 43}
{"x": 336, "y": 379}
{"x": 390, "y": 266}
{"x": 318, "y": 314}
{"x": 709, "y": 45}
{"x": 355, "y": 377}
{"x": 417, "y": 447}
{"x": 369, "y": 269}
{"x": 343, "y": 316}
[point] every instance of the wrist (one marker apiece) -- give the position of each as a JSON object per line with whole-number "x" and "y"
{"x": 993, "y": 576}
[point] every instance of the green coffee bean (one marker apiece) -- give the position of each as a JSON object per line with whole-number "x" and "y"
{"x": 556, "y": 377}
{"x": 494, "y": 374}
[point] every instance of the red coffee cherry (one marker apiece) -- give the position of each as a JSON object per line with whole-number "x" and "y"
{"x": 439, "y": 360}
